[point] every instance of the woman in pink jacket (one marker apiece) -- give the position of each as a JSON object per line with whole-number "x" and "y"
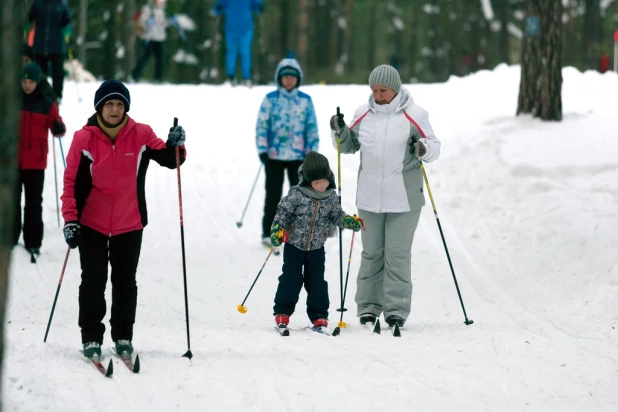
{"x": 104, "y": 209}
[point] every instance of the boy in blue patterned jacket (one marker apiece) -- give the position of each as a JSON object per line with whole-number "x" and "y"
{"x": 304, "y": 217}
{"x": 286, "y": 131}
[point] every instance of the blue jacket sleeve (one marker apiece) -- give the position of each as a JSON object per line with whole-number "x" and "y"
{"x": 262, "y": 127}
{"x": 219, "y": 7}
{"x": 311, "y": 128}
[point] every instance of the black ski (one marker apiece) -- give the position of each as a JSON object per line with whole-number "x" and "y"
{"x": 283, "y": 330}
{"x": 32, "y": 257}
{"x": 96, "y": 362}
{"x": 128, "y": 361}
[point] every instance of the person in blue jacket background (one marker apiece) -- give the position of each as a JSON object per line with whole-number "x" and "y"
{"x": 286, "y": 131}
{"x": 52, "y": 19}
{"x": 238, "y": 34}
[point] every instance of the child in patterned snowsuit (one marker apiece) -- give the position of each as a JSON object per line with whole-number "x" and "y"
{"x": 305, "y": 215}
{"x": 286, "y": 131}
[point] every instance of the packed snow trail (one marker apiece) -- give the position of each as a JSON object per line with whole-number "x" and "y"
{"x": 528, "y": 217}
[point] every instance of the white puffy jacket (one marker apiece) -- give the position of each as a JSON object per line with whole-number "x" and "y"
{"x": 389, "y": 177}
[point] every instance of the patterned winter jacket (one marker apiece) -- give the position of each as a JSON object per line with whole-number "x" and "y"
{"x": 307, "y": 220}
{"x": 286, "y": 126}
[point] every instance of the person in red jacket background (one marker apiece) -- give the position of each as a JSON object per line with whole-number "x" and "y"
{"x": 38, "y": 116}
{"x": 104, "y": 209}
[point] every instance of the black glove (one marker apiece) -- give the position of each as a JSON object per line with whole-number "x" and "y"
{"x": 336, "y": 123}
{"x": 418, "y": 149}
{"x": 219, "y": 8}
{"x": 58, "y": 128}
{"x": 264, "y": 158}
{"x": 176, "y": 137}
{"x": 71, "y": 234}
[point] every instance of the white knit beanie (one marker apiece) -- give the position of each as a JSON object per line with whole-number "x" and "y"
{"x": 386, "y": 75}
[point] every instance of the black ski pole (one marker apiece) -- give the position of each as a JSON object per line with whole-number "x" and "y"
{"x": 182, "y": 243}
{"x": 448, "y": 256}
{"x": 51, "y": 315}
{"x": 239, "y": 223}
{"x": 341, "y": 309}
{"x": 242, "y": 308}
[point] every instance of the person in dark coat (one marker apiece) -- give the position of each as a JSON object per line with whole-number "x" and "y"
{"x": 38, "y": 116}
{"x": 104, "y": 209}
{"x": 27, "y": 57}
{"x": 52, "y": 20}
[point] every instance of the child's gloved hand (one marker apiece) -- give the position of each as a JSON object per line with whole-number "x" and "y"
{"x": 277, "y": 235}
{"x": 354, "y": 223}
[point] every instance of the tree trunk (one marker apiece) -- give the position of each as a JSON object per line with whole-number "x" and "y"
{"x": 284, "y": 18}
{"x": 303, "y": 33}
{"x": 505, "y": 14}
{"x": 129, "y": 38}
{"x": 82, "y": 31}
{"x": 551, "y": 68}
{"x": 109, "y": 70}
{"x": 455, "y": 30}
{"x": 592, "y": 34}
{"x": 11, "y": 33}
{"x": 371, "y": 31}
{"x": 540, "y": 86}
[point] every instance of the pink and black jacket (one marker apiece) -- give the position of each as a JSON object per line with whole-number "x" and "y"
{"x": 104, "y": 179}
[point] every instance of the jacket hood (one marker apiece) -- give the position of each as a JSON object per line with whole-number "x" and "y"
{"x": 292, "y": 63}
{"x": 401, "y": 102}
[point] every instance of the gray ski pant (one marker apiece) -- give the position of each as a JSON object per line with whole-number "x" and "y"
{"x": 384, "y": 282}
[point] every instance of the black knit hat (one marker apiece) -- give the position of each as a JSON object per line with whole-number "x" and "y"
{"x": 32, "y": 71}
{"x": 288, "y": 71}
{"x": 112, "y": 90}
{"x": 316, "y": 167}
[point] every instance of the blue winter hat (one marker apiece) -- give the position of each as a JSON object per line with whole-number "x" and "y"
{"x": 32, "y": 71}
{"x": 112, "y": 90}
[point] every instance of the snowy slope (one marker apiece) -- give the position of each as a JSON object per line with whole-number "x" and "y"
{"x": 529, "y": 211}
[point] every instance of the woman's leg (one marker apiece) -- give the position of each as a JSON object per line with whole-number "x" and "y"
{"x": 124, "y": 251}
{"x": 399, "y": 234}
{"x": 369, "y": 288}
{"x": 93, "y": 255}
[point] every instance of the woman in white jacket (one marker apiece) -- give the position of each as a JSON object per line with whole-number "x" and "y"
{"x": 393, "y": 135}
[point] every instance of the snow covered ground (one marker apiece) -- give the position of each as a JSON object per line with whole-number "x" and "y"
{"x": 530, "y": 214}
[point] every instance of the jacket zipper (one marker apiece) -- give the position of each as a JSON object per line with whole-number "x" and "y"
{"x": 388, "y": 117}
{"x": 111, "y": 217}
{"x": 315, "y": 212}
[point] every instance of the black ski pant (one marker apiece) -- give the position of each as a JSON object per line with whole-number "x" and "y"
{"x": 56, "y": 61}
{"x": 122, "y": 253}
{"x": 295, "y": 262}
{"x": 150, "y": 48}
{"x": 275, "y": 174}
{"x": 32, "y": 182}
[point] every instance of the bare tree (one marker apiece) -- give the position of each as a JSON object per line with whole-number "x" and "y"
{"x": 540, "y": 89}
{"x": 11, "y": 16}
{"x": 82, "y": 30}
{"x": 303, "y": 31}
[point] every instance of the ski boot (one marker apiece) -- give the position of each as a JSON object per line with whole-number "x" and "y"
{"x": 124, "y": 345}
{"x": 367, "y": 318}
{"x": 92, "y": 349}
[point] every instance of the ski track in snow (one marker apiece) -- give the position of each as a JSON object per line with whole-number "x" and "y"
{"x": 530, "y": 226}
